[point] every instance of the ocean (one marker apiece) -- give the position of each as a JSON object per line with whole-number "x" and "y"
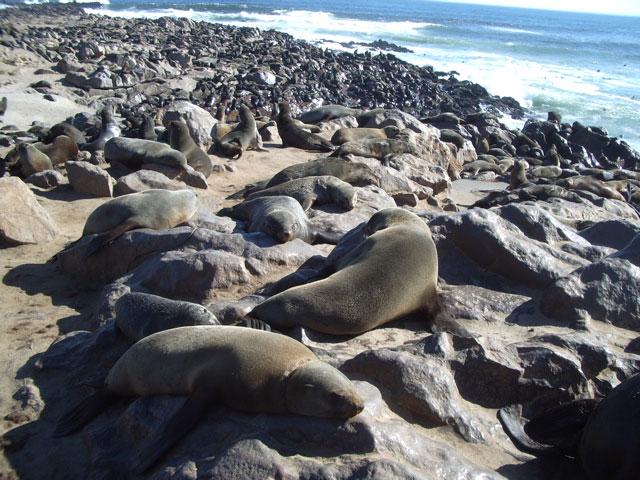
{"x": 584, "y": 66}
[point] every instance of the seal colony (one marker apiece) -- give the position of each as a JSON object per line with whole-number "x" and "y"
{"x": 409, "y": 252}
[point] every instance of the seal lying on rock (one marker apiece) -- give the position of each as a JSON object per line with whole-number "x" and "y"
{"x": 139, "y": 315}
{"x": 135, "y": 152}
{"x": 180, "y": 139}
{"x": 351, "y": 172}
{"x": 345, "y": 135}
{"x": 592, "y": 185}
{"x": 602, "y": 435}
{"x": 244, "y": 369}
{"x": 241, "y": 138}
{"x": 374, "y": 148}
{"x": 327, "y": 112}
{"x": 156, "y": 209}
{"x": 61, "y": 150}
{"x": 389, "y": 275}
{"x": 294, "y": 136}
{"x": 280, "y": 217}
{"x": 314, "y": 191}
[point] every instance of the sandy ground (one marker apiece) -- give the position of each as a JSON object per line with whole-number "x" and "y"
{"x": 39, "y": 303}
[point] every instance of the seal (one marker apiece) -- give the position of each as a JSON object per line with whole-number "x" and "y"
{"x": 602, "y": 435}
{"x": 294, "y": 136}
{"x": 592, "y": 185}
{"x": 279, "y": 217}
{"x": 135, "y": 152}
{"x": 108, "y": 130}
{"x": 64, "y": 128}
{"x": 244, "y": 369}
{"x": 139, "y": 315}
{"x": 180, "y": 139}
{"x": 550, "y": 171}
{"x": 451, "y": 136}
{"x": 344, "y": 135}
{"x": 242, "y": 137}
{"x": 31, "y": 160}
{"x": 156, "y": 209}
{"x": 147, "y": 129}
{"x": 351, "y": 172}
{"x": 60, "y": 151}
{"x": 374, "y": 148}
{"x": 518, "y": 177}
{"x": 310, "y": 191}
{"x": 482, "y": 166}
{"x": 327, "y": 112}
{"x": 390, "y": 274}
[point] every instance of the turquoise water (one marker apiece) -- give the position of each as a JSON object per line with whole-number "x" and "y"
{"x": 587, "y": 67}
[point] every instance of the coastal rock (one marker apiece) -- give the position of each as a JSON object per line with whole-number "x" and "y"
{"x": 46, "y": 179}
{"x": 199, "y": 121}
{"x": 23, "y": 220}
{"x": 145, "y": 180}
{"x": 89, "y": 179}
{"x": 188, "y": 175}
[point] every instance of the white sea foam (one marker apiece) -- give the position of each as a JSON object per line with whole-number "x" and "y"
{"x": 520, "y": 31}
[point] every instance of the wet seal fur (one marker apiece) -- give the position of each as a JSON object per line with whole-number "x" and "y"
{"x": 180, "y": 139}
{"x": 280, "y": 217}
{"x": 391, "y": 274}
{"x": 294, "y": 136}
{"x": 242, "y": 137}
{"x": 318, "y": 190}
{"x": 245, "y": 369}
{"x": 139, "y": 315}
{"x": 602, "y": 435}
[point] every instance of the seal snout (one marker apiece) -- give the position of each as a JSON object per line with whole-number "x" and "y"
{"x": 347, "y": 404}
{"x": 286, "y": 236}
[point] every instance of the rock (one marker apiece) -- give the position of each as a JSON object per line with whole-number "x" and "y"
{"x": 30, "y": 404}
{"x": 199, "y": 121}
{"x": 607, "y": 290}
{"x": 46, "y": 179}
{"x": 145, "y": 180}
{"x": 23, "y": 219}
{"x": 89, "y": 179}
{"x": 611, "y": 233}
{"x": 499, "y": 246}
{"x": 189, "y": 175}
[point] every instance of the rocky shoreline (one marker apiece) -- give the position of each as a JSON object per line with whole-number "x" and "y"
{"x": 536, "y": 230}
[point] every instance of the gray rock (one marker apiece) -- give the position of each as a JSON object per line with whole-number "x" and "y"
{"x": 611, "y": 233}
{"x": 188, "y": 175}
{"x": 199, "y": 121}
{"x": 23, "y": 219}
{"x": 89, "y": 179}
{"x": 145, "y": 180}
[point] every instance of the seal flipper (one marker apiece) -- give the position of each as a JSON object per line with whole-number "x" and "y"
{"x": 183, "y": 420}
{"x": 331, "y": 238}
{"x": 254, "y": 323}
{"x": 83, "y": 413}
{"x": 103, "y": 239}
{"x": 512, "y": 425}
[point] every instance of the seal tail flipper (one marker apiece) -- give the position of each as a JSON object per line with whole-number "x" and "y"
{"x": 83, "y": 413}
{"x": 331, "y": 238}
{"x": 512, "y": 425}
{"x": 180, "y": 424}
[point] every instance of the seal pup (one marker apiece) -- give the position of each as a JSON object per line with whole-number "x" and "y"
{"x": 280, "y": 217}
{"x": 147, "y": 129}
{"x": 327, "y": 112}
{"x": 601, "y": 434}
{"x": 344, "y": 135}
{"x": 64, "y": 128}
{"x": 310, "y": 191}
{"x": 31, "y": 160}
{"x": 374, "y": 148}
{"x": 155, "y": 208}
{"x": 135, "y": 152}
{"x": 139, "y": 315}
{"x": 241, "y": 138}
{"x": 294, "y": 136}
{"x": 390, "y": 274}
{"x": 244, "y": 369}
{"x": 108, "y": 130}
{"x": 61, "y": 150}
{"x": 180, "y": 139}
{"x": 518, "y": 177}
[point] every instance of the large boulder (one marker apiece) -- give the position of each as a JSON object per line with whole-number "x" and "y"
{"x": 89, "y": 179}
{"x": 22, "y": 219}
{"x": 199, "y": 121}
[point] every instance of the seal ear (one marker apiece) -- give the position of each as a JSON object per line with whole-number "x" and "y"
{"x": 183, "y": 420}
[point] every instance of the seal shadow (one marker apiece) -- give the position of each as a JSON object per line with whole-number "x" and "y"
{"x": 542, "y": 469}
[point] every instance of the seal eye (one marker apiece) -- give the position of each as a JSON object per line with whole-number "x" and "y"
{"x": 295, "y": 227}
